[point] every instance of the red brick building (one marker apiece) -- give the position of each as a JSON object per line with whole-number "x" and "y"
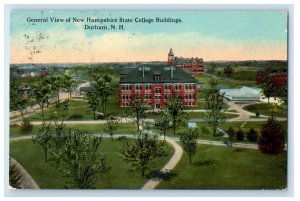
{"x": 194, "y": 65}
{"x": 279, "y": 79}
{"x": 156, "y": 85}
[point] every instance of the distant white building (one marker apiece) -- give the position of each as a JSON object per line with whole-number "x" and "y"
{"x": 242, "y": 94}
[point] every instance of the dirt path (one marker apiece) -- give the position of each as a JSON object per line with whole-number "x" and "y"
{"x": 152, "y": 183}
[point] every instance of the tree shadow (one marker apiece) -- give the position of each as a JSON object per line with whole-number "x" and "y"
{"x": 208, "y": 162}
{"x": 162, "y": 175}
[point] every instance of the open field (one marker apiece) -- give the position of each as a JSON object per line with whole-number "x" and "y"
{"x": 267, "y": 109}
{"x": 224, "y": 82}
{"x": 119, "y": 175}
{"x": 229, "y": 168}
{"x": 124, "y": 128}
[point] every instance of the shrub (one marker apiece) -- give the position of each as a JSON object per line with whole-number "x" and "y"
{"x": 26, "y": 127}
{"x": 231, "y": 133}
{"x": 252, "y": 135}
{"x": 271, "y": 139}
{"x": 240, "y": 135}
{"x": 121, "y": 138}
{"x": 257, "y": 114}
{"x": 100, "y": 117}
{"x": 75, "y": 116}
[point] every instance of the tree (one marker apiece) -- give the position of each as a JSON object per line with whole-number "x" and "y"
{"x": 175, "y": 108}
{"x": 162, "y": 122}
{"x": 42, "y": 93}
{"x": 17, "y": 101}
{"x": 240, "y": 135}
{"x": 283, "y": 95}
{"x": 56, "y": 82}
{"x": 212, "y": 68}
{"x": 139, "y": 107}
{"x": 231, "y": 135}
{"x": 142, "y": 150}
{"x": 214, "y": 107}
{"x": 79, "y": 159}
{"x": 228, "y": 71}
{"x": 43, "y": 138}
{"x": 267, "y": 85}
{"x": 104, "y": 86}
{"x": 93, "y": 100}
{"x": 271, "y": 139}
{"x": 111, "y": 126}
{"x": 69, "y": 84}
{"x": 252, "y": 135}
{"x": 189, "y": 141}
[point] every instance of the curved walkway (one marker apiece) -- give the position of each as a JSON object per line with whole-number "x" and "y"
{"x": 26, "y": 181}
{"x": 152, "y": 183}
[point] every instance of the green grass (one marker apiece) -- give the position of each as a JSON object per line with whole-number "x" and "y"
{"x": 233, "y": 169}
{"x": 245, "y": 126}
{"x": 244, "y": 75}
{"x": 119, "y": 175}
{"x": 80, "y": 107}
{"x": 124, "y": 128}
{"x": 223, "y": 82}
{"x": 267, "y": 109}
{"x": 192, "y": 115}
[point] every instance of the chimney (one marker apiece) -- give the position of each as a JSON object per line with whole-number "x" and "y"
{"x": 171, "y": 71}
{"x": 143, "y": 71}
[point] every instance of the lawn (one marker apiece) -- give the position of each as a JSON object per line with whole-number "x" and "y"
{"x": 216, "y": 167}
{"x": 205, "y": 132}
{"x": 192, "y": 115}
{"x": 244, "y": 126}
{"x": 244, "y": 75}
{"x": 124, "y": 128}
{"x": 76, "y": 107}
{"x": 267, "y": 109}
{"x": 79, "y": 110}
{"x": 119, "y": 175}
{"x": 224, "y": 82}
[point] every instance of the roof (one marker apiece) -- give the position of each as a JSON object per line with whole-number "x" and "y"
{"x": 241, "y": 93}
{"x": 192, "y": 125}
{"x": 171, "y": 52}
{"x": 179, "y": 76}
{"x": 181, "y": 60}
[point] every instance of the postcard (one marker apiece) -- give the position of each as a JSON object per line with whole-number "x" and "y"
{"x": 148, "y": 100}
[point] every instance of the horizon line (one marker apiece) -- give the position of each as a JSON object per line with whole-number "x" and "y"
{"x": 106, "y": 62}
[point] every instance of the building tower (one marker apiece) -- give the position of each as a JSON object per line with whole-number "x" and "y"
{"x": 171, "y": 57}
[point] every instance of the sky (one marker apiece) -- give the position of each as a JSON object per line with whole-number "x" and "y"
{"x": 211, "y": 35}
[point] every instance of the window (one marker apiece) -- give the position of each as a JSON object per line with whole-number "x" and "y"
{"x": 125, "y": 104}
{"x": 157, "y": 90}
{"x": 189, "y": 96}
{"x": 126, "y": 87}
{"x": 156, "y": 77}
{"x": 167, "y": 87}
{"x": 138, "y": 87}
{"x": 189, "y": 86}
{"x": 126, "y": 97}
{"x": 177, "y": 86}
{"x": 157, "y": 97}
{"x": 147, "y": 96}
{"x": 166, "y": 97}
{"x": 147, "y": 87}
